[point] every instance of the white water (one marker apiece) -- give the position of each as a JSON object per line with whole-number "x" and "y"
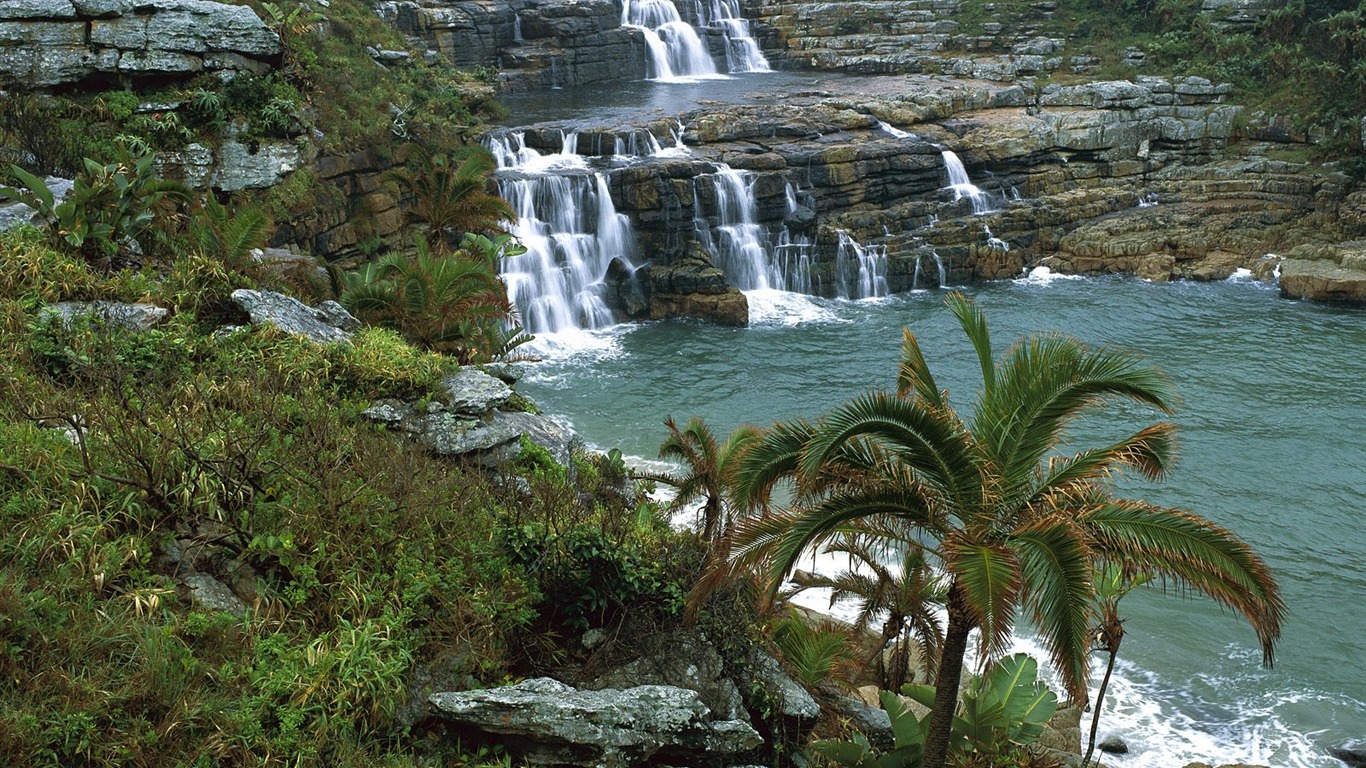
{"x": 571, "y": 232}
{"x": 677, "y": 54}
{"x": 742, "y": 50}
{"x": 962, "y": 186}
{"x": 897, "y": 133}
{"x": 862, "y": 269}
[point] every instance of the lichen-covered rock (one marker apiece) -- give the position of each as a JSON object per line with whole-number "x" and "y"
{"x": 681, "y": 658}
{"x": 49, "y": 43}
{"x": 550, "y": 723}
{"x": 212, "y": 595}
{"x": 134, "y": 317}
{"x": 794, "y": 701}
{"x": 492, "y": 438}
{"x": 321, "y": 326}
{"x": 470, "y": 390}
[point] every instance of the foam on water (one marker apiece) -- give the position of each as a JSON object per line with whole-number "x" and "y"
{"x": 768, "y": 307}
{"x": 575, "y": 345}
{"x": 1044, "y": 276}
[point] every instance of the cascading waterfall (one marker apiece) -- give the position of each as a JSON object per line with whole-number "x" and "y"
{"x": 676, "y": 52}
{"x": 737, "y": 240}
{"x": 962, "y": 186}
{"x": 793, "y": 253}
{"x": 895, "y": 132}
{"x": 742, "y": 50}
{"x": 861, "y": 269}
{"x": 571, "y": 232}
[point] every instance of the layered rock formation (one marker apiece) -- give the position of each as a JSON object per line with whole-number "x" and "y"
{"x": 47, "y": 43}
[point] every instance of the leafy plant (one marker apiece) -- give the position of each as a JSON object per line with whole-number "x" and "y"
{"x": 708, "y": 472}
{"x": 908, "y": 741}
{"x": 109, "y": 207}
{"x": 1008, "y": 706}
{"x": 229, "y": 234}
{"x": 450, "y": 192}
{"x": 1112, "y": 584}
{"x": 812, "y": 652}
{"x": 453, "y": 303}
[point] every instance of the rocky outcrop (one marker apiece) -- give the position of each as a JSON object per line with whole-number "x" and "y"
{"x": 1330, "y": 272}
{"x": 534, "y": 44}
{"x": 324, "y": 324}
{"x": 465, "y": 420}
{"x": 549, "y": 723}
{"x": 682, "y": 658}
{"x": 132, "y": 317}
{"x": 51, "y": 43}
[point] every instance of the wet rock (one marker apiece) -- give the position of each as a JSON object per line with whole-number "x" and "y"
{"x": 1354, "y": 757}
{"x": 319, "y": 325}
{"x": 552, "y": 723}
{"x": 1114, "y": 745}
{"x": 729, "y": 308}
{"x": 1335, "y": 273}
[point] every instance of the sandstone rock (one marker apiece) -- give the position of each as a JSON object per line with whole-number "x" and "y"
{"x": 1341, "y": 277}
{"x": 730, "y": 308}
{"x": 321, "y": 326}
{"x": 133, "y": 317}
{"x": 552, "y": 723}
{"x": 1063, "y": 731}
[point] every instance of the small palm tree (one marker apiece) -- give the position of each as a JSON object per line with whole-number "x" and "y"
{"x": 446, "y": 302}
{"x": 1111, "y": 585}
{"x": 450, "y": 193}
{"x": 229, "y": 234}
{"x": 708, "y": 473}
{"x": 904, "y": 596}
{"x": 1011, "y": 521}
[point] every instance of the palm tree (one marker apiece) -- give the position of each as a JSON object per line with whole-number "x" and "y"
{"x": 1012, "y": 522}
{"x": 905, "y": 596}
{"x": 451, "y": 303}
{"x": 1111, "y": 585}
{"x": 450, "y": 193}
{"x": 709, "y": 468}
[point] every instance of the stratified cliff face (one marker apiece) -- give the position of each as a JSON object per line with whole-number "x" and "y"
{"x": 51, "y": 43}
{"x": 535, "y": 44}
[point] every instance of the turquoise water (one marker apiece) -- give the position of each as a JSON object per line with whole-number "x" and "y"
{"x": 1273, "y": 409}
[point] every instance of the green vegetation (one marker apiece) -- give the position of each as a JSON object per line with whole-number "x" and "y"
{"x": 1013, "y": 523}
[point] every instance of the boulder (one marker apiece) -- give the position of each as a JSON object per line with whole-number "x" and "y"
{"x": 492, "y": 438}
{"x": 472, "y": 391}
{"x": 550, "y": 723}
{"x": 211, "y": 594}
{"x": 682, "y": 658}
{"x": 1354, "y": 757}
{"x": 1113, "y": 745}
{"x": 133, "y": 317}
{"x": 1326, "y": 273}
{"x": 795, "y": 704}
{"x": 871, "y": 721}
{"x": 321, "y": 325}
{"x": 729, "y": 308}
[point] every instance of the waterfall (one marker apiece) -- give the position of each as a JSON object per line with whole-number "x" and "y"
{"x": 897, "y": 133}
{"x": 571, "y": 232}
{"x": 742, "y": 50}
{"x": 993, "y": 242}
{"x": 517, "y": 28}
{"x": 962, "y": 186}
{"x": 635, "y": 144}
{"x": 676, "y": 52}
{"x": 792, "y": 255}
{"x": 862, "y": 270}
{"x": 740, "y": 244}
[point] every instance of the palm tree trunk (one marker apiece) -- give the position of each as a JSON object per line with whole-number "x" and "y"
{"x": 946, "y": 687}
{"x": 1100, "y": 702}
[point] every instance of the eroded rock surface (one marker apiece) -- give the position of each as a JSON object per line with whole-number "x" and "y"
{"x": 550, "y": 723}
{"x": 321, "y": 325}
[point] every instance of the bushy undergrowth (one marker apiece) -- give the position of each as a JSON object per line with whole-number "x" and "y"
{"x": 129, "y": 460}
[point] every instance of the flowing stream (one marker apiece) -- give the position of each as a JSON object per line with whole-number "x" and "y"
{"x": 1272, "y": 394}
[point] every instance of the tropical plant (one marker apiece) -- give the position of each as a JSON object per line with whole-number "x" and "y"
{"x": 229, "y": 234}
{"x": 449, "y": 193}
{"x": 1011, "y": 521}
{"x": 1002, "y": 710}
{"x": 812, "y": 651}
{"x": 707, "y": 475}
{"x": 904, "y": 596}
{"x": 108, "y": 207}
{"x": 908, "y": 741}
{"x": 452, "y": 303}
{"x": 1112, "y": 584}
